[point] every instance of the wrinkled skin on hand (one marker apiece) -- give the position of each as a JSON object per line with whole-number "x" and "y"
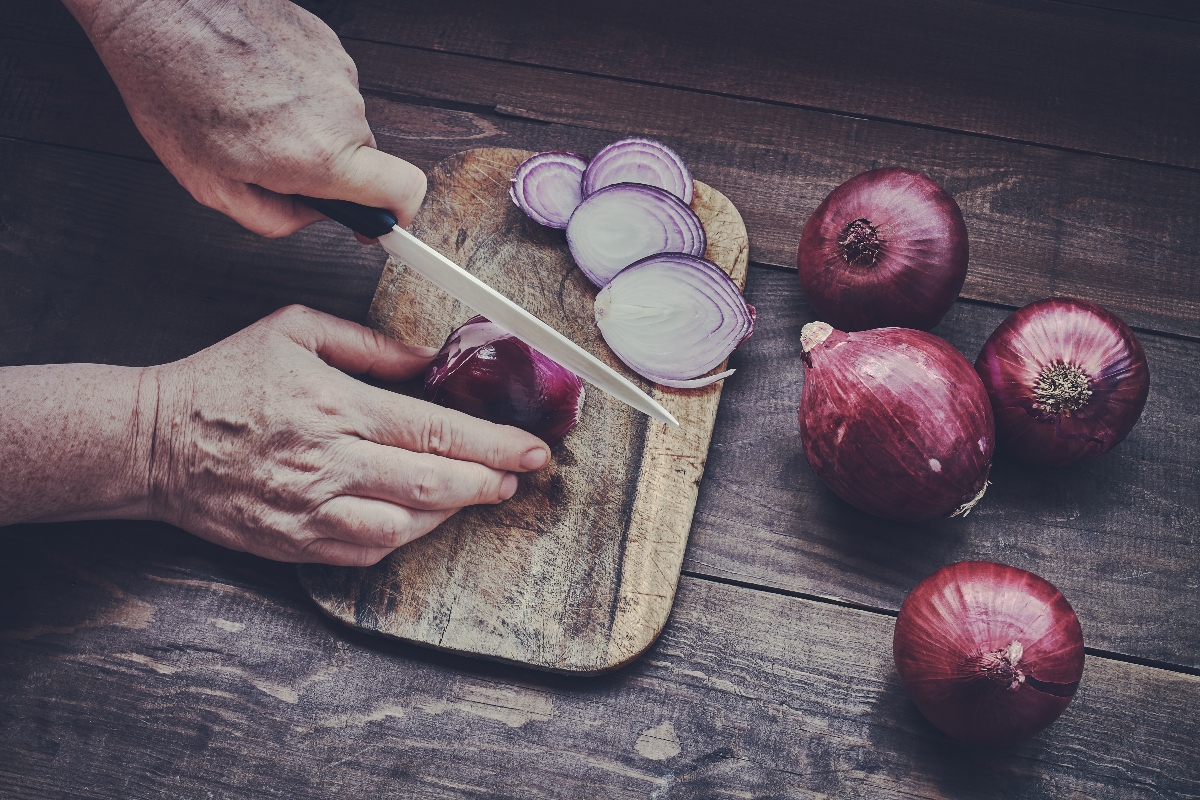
{"x": 247, "y": 102}
{"x": 264, "y": 443}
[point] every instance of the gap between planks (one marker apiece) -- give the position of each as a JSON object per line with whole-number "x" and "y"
{"x": 1150, "y": 663}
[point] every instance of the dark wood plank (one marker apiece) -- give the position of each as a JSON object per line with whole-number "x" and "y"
{"x": 107, "y": 259}
{"x": 1044, "y": 72}
{"x": 139, "y": 663}
{"x": 1064, "y": 74}
{"x": 45, "y": 21}
{"x": 1042, "y": 221}
{"x": 1184, "y": 10}
{"x": 1115, "y": 534}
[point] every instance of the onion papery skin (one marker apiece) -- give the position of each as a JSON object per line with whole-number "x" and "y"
{"x": 1075, "y": 333}
{"x": 639, "y": 160}
{"x": 895, "y": 421}
{"x": 549, "y": 186}
{"x": 949, "y": 642}
{"x": 484, "y": 371}
{"x": 903, "y": 268}
{"x": 673, "y": 317}
{"x": 618, "y": 225}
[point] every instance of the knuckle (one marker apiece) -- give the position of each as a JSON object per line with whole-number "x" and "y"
{"x": 291, "y": 314}
{"x": 428, "y": 487}
{"x": 440, "y": 434}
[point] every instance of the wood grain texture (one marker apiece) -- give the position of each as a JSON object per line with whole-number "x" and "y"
{"x": 1117, "y": 534}
{"x": 139, "y": 663}
{"x": 1041, "y": 221}
{"x": 1046, "y": 72}
{"x": 1183, "y": 10}
{"x": 578, "y": 570}
{"x": 104, "y": 259}
{"x": 148, "y": 276}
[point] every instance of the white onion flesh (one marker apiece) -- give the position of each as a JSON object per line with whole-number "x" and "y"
{"x": 621, "y": 224}
{"x": 548, "y": 187}
{"x": 639, "y": 160}
{"x": 673, "y": 317}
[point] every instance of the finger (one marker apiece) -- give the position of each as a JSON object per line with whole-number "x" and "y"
{"x": 423, "y": 481}
{"x": 352, "y": 348}
{"x": 371, "y": 523}
{"x": 393, "y": 419}
{"x": 262, "y": 211}
{"x": 375, "y": 178}
{"x": 342, "y": 554}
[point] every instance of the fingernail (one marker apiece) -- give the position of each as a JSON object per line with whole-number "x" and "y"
{"x": 534, "y": 459}
{"x": 423, "y": 352}
{"x": 508, "y": 486}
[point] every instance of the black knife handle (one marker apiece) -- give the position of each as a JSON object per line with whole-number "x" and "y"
{"x": 370, "y": 222}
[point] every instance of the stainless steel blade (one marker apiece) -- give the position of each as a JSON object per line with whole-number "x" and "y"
{"x": 474, "y": 293}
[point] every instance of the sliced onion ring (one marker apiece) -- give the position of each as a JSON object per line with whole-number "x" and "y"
{"x": 621, "y": 224}
{"x": 548, "y": 187}
{"x": 673, "y": 317}
{"x": 638, "y": 160}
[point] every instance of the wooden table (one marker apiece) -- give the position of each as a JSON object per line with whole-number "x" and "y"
{"x": 139, "y": 662}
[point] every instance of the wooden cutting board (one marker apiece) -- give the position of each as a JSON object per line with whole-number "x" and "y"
{"x": 577, "y": 572}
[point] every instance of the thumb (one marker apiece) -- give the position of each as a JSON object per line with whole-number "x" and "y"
{"x": 351, "y": 348}
{"x": 375, "y": 178}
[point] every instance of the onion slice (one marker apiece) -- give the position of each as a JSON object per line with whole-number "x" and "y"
{"x": 673, "y": 317}
{"x": 639, "y": 160}
{"x": 548, "y": 187}
{"x": 618, "y": 225}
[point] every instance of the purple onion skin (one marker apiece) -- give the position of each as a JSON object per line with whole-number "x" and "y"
{"x": 887, "y": 248}
{"x": 895, "y": 422}
{"x": 1022, "y": 355}
{"x": 954, "y": 648}
{"x": 487, "y": 373}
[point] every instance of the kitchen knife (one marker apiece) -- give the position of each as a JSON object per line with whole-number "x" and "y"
{"x": 378, "y": 223}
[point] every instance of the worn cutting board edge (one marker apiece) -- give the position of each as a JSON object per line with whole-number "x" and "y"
{"x": 670, "y": 463}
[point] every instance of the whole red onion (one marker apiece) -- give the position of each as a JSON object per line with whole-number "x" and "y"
{"x": 990, "y": 654}
{"x": 1067, "y": 380}
{"x": 895, "y": 421}
{"x": 486, "y": 372}
{"x": 886, "y": 248}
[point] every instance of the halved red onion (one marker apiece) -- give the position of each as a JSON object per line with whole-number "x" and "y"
{"x": 1067, "y": 378}
{"x": 895, "y": 421}
{"x": 990, "y": 654}
{"x": 618, "y": 225}
{"x": 484, "y": 371}
{"x": 639, "y": 160}
{"x": 673, "y": 317}
{"x": 548, "y": 187}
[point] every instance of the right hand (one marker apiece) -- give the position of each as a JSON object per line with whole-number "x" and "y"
{"x": 263, "y": 443}
{"x": 248, "y": 102}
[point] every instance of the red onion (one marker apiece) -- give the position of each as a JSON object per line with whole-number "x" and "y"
{"x": 638, "y": 160}
{"x": 886, "y": 248}
{"x": 488, "y": 373}
{"x": 673, "y": 317}
{"x": 895, "y": 421}
{"x": 1067, "y": 381}
{"x": 616, "y": 226}
{"x": 990, "y": 654}
{"x": 548, "y": 187}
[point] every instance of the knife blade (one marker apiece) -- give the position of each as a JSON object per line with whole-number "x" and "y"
{"x": 378, "y": 223}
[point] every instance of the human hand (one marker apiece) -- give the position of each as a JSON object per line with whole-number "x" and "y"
{"x": 264, "y": 443}
{"x": 248, "y": 102}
